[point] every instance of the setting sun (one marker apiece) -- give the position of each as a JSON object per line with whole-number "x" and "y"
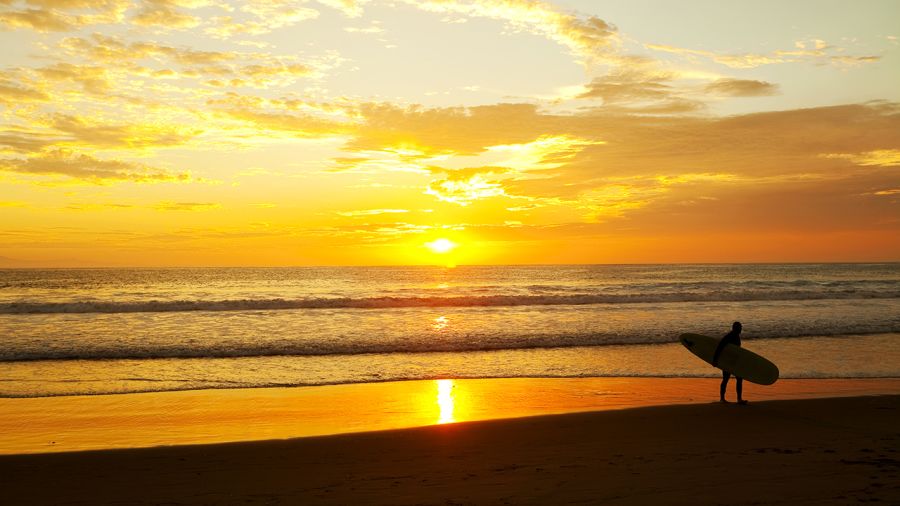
{"x": 441, "y": 245}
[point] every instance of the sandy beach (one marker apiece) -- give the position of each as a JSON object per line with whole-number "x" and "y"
{"x": 103, "y": 422}
{"x": 809, "y": 451}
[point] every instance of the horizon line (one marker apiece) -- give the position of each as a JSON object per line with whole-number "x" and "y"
{"x": 387, "y": 266}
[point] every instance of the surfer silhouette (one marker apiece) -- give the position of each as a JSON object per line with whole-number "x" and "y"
{"x": 733, "y": 337}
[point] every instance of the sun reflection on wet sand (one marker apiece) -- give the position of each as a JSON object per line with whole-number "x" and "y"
{"x": 93, "y": 422}
{"x": 445, "y": 400}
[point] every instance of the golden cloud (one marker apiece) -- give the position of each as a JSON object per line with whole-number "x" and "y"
{"x": 254, "y": 111}
{"x": 186, "y": 206}
{"x": 879, "y": 157}
{"x": 112, "y": 50}
{"x": 643, "y": 164}
{"x": 853, "y": 61}
{"x": 373, "y": 232}
{"x": 628, "y": 85}
{"x": 93, "y": 206}
{"x": 137, "y": 136}
{"x": 93, "y": 79}
{"x": 39, "y": 20}
{"x": 607, "y": 165}
{"x": 638, "y": 85}
{"x": 588, "y": 36}
{"x": 63, "y": 15}
{"x": 464, "y": 186}
{"x": 741, "y": 88}
{"x": 458, "y": 130}
{"x": 350, "y": 8}
{"x": 464, "y": 191}
{"x": 234, "y": 68}
{"x": 371, "y": 212}
{"x": 820, "y": 53}
{"x": 13, "y": 93}
{"x": 678, "y": 165}
{"x": 164, "y": 13}
{"x": 23, "y": 142}
{"x": 266, "y": 16}
{"x": 62, "y": 162}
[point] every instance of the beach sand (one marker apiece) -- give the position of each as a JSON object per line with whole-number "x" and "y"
{"x": 813, "y": 451}
{"x": 76, "y": 423}
{"x": 819, "y": 451}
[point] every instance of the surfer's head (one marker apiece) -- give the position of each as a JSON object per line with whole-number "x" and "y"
{"x": 736, "y": 326}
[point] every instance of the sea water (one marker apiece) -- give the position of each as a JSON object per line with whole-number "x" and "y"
{"x": 101, "y": 331}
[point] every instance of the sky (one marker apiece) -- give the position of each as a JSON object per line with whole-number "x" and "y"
{"x": 342, "y": 132}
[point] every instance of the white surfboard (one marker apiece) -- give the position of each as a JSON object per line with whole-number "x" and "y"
{"x": 741, "y": 362}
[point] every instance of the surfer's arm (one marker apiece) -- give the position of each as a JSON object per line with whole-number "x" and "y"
{"x": 719, "y": 348}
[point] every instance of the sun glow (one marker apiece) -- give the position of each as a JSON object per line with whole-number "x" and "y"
{"x": 441, "y": 246}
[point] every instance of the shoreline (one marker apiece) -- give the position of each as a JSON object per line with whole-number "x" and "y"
{"x": 810, "y": 451}
{"x": 192, "y": 417}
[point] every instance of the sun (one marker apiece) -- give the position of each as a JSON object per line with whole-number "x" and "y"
{"x": 441, "y": 245}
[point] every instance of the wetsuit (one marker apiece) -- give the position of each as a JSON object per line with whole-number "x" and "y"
{"x": 733, "y": 337}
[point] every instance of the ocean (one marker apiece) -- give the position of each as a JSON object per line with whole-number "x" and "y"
{"x": 108, "y": 331}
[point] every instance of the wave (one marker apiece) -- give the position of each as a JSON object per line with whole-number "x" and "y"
{"x": 154, "y": 306}
{"x": 321, "y": 348}
{"x": 137, "y": 386}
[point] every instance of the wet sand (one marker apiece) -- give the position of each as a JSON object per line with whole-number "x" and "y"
{"x": 814, "y": 451}
{"x": 58, "y": 424}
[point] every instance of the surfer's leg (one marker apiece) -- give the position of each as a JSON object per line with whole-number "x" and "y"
{"x": 725, "y": 376}
{"x": 740, "y": 387}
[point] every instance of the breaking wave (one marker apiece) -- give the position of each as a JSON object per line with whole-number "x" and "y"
{"x": 413, "y": 344}
{"x": 153, "y": 306}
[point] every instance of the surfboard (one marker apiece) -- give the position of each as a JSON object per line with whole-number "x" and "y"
{"x": 741, "y": 362}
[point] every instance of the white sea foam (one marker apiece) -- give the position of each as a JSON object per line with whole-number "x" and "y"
{"x": 158, "y": 306}
{"x": 876, "y": 356}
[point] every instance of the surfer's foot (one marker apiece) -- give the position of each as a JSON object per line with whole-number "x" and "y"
{"x": 742, "y": 401}
{"x": 723, "y": 401}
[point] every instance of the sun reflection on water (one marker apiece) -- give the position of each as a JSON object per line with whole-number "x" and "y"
{"x": 445, "y": 400}
{"x": 440, "y": 323}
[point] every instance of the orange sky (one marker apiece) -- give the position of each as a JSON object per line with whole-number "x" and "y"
{"x": 195, "y": 132}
